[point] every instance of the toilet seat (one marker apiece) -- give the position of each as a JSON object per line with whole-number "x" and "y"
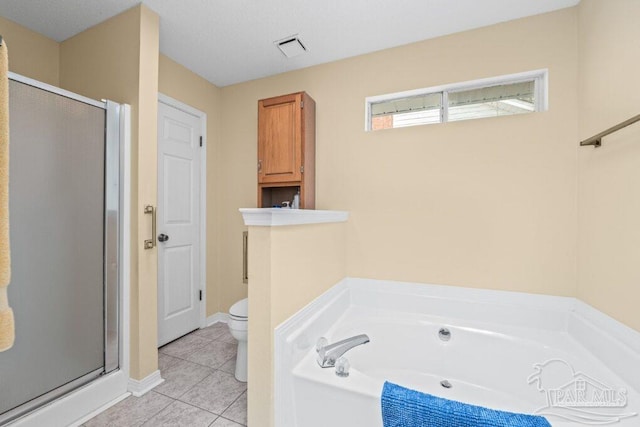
{"x": 240, "y": 310}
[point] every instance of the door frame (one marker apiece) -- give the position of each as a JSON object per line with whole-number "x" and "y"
{"x": 172, "y": 102}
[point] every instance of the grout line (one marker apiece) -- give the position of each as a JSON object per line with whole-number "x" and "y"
{"x": 174, "y": 399}
{"x": 165, "y": 395}
{"x": 195, "y": 363}
{"x": 208, "y": 410}
{"x": 199, "y": 407}
{"x": 189, "y": 389}
{"x": 200, "y": 364}
{"x": 233, "y": 403}
{"x": 156, "y": 413}
{"x": 209, "y": 341}
{"x": 237, "y": 398}
{"x": 179, "y": 398}
{"x": 192, "y": 387}
{"x": 202, "y": 409}
{"x": 229, "y": 419}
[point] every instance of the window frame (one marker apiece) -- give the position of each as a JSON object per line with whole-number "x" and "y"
{"x": 539, "y": 77}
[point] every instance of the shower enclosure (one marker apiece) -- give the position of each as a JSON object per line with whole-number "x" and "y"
{"x": 64, "y": 196}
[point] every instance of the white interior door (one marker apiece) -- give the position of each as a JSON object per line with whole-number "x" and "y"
{"x": 179, "y": 219}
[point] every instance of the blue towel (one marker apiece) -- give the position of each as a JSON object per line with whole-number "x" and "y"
{"x": 403, "y": 407}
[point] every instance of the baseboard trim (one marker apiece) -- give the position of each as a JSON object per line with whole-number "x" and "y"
{"x": 217, "y": 318}
{"x": 141, "y": 387}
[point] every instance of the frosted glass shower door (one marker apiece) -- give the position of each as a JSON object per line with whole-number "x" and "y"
{"x": 57, "y": 225}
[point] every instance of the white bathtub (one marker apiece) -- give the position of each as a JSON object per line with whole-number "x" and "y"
{"x": 497, "y": 338}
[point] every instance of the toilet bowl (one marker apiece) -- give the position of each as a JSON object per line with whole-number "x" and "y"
{"x": 238, "y": 321}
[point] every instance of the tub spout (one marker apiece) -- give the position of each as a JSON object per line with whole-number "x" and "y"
{"x": 329, "y": 353}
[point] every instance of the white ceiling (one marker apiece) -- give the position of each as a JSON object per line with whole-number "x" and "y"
{"x": 231, "y": 41}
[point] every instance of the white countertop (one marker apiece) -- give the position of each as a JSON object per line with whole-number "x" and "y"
{"x": 273, "y": 217}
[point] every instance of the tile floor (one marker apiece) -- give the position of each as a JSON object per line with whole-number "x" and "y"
{"x": 199, "y": 388}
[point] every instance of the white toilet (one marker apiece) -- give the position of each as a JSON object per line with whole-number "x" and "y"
{"x": 238, "y": 320}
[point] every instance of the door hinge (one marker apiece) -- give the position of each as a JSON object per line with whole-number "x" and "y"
{"x": 301, "y": 169}
{"x": 301, "y": 104}
{"x": 200, "y": 141}
{"x": 200, "y": 292}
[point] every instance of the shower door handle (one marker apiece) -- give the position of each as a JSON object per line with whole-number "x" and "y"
{"x": 151, "y": 243}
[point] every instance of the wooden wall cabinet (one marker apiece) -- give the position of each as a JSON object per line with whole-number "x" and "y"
{"x": 286, "y": 150}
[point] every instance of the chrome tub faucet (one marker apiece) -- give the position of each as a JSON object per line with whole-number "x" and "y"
{"x": 329, "y": 353}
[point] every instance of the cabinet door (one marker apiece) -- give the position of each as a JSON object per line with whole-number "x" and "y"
{"x": 280, "y": 139}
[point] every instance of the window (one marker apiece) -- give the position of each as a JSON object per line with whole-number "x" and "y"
{"x": 499, "y": 96}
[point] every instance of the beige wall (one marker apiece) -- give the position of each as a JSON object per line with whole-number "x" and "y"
{"x": 31, "y": 54}
{"x": 118, "y": 60}
{"x": 485, "y": 203}
{"x": 290, "y": 267}
{"x": 183, "y": 85}
{"x": 147, "y": 280}
{"x": 609, "y": 176}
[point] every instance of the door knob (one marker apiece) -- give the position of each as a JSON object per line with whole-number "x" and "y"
{"x": 163, "y": 238}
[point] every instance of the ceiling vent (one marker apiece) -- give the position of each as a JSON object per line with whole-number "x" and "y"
{"x": 291, "y": 46}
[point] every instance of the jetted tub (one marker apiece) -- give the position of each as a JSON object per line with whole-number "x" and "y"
{"x": 507, "y": 351}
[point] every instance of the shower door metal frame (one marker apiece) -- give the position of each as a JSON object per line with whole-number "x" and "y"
{"x": 111, "y": 256}
{"x": 112, "y": 251}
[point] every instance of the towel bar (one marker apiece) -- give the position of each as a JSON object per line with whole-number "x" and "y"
{"x": 596, "y": 140}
